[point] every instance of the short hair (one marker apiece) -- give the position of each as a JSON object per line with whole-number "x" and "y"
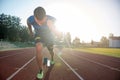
{"x": 39, "y": 13}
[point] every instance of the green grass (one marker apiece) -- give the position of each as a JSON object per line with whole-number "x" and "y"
{"x": 115, "y": 52}
{"x": 23, "y": 44}
{"x": 15, "y": 45}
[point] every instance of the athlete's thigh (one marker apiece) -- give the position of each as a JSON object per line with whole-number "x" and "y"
{"x": 50, "y": 47}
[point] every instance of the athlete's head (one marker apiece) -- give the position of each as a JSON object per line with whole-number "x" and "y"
{"x": 40, "y": 15}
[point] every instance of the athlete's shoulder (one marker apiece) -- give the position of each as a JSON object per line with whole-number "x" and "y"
{"x": 51, "y": 18}
{"x": 30, "y": 19}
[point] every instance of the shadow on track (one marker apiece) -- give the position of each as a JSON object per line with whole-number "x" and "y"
{"x": 47, "y": 75}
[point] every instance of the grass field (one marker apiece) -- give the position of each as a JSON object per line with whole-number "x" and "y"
{"x": 115, "y": 52}
{"x": 6, "y": 45}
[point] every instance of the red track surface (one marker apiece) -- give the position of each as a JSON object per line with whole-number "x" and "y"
{"x": 87, "y": 66}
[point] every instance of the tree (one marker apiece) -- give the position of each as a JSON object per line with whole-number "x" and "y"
{"x": 67, "y": 39}
{"x": 11, "y": 29}
{"x": 104, "y": 41}
{"x": 3, "y": 26}
{"x": 111, "y": 35}
{"x": 76, "y": 42}
{"x": 24, "y": 34}
{"x": 92, "y": 42}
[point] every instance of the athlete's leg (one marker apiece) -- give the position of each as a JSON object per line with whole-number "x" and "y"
{"x": 50, "y": 48}
{"x": 39, "y": 48}
{"x": 39, "y": 54}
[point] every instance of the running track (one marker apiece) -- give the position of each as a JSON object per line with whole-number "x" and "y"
{"x": 71, "y": 65}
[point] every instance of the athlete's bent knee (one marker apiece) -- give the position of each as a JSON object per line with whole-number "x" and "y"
{"x": 39, "y": 47}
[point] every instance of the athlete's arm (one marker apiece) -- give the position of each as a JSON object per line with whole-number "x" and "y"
{"x": 30, "y": 28}
{"x": 52, "y": 27}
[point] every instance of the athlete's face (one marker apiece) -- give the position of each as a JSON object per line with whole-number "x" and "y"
{"x": 40, "y": 22}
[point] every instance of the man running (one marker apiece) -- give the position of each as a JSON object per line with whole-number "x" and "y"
{"x": 44, "y": 35}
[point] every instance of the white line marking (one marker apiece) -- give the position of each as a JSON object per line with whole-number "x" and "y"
{"x": 71, "y": 68}
{"x": 11, "y": 76}
{"x": 112, "y": 68}
{"x": 10, "y": 55}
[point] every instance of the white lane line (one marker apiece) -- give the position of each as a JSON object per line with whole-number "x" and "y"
{"x": 71, "y": 68}
{"x": 10, "y": 55}
{"x": 109, "y": 67}
{"x": 11, "y": 76}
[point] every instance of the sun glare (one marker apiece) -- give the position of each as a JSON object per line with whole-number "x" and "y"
{"x": 74, "y": 20}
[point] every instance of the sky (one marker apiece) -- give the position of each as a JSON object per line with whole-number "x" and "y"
{"x": 86, "y": 19}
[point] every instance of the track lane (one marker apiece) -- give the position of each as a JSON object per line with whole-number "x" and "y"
{"x": 21, "y": 68}
{"x": 11, "y": 64}
{"x": 93, "y": 61}
{"x": 107, "y": 60}
{"x": 12, "y": 52}
{"x": 6, "y": 56}
{"x": 89, "y": 71}
{"x": 59, "y": 72}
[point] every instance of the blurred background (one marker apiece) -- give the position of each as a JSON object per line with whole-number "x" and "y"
{"x": 93, "y": 23}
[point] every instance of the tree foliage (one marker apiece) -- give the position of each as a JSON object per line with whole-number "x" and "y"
{"x": 104, "y": 42}
{"x": 76, "y": 42}
{"x": 67, "y": 39}
{"x": 11, "y": 29}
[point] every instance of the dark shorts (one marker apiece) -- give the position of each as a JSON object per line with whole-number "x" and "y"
{"x": 47, "y": 41}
